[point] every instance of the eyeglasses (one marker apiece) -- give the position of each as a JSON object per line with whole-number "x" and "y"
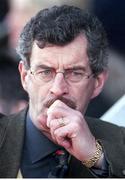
{"x": 70, "y": 75}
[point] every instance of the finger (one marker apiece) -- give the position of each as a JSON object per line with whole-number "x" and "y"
{"x": 58, "y": 109}
{"x": 61, "y": 135}
{"x": 55, "y": 124}
{"x": 49, "y": 118}
{"x": 53, "y": 114}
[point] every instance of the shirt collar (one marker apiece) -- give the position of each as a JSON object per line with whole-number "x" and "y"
{"x": 39, "y": 146}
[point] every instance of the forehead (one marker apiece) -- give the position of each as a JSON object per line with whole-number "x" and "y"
{"x": 74, "y": 53}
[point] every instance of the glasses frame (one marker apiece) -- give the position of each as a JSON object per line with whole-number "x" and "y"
{"x": 34, "y": 73}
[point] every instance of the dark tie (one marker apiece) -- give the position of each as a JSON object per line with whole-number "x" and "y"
{"x": 61, "y": 157}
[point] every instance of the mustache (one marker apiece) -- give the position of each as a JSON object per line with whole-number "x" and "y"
{"x": 68, "y": 102}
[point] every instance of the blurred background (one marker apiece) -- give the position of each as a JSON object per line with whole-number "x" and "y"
{"x": 15, "y": 13}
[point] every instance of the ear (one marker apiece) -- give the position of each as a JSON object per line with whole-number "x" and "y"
{"x": 99, "y": 83}
{"x": 23, "y": 74}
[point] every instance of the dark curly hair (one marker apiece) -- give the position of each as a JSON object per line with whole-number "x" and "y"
{"x": 59, "y": 25}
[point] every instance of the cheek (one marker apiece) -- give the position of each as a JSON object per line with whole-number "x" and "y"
{"x": 76, "y": 93}
{"x": 82, "y": 95}
{"x": 37, "y": 93}
{"x": 81, "y": 100}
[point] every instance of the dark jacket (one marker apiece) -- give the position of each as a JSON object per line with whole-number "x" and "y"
{"x": 12, "y": 129}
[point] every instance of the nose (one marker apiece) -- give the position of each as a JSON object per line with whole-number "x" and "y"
{"x": 59, "y": 86}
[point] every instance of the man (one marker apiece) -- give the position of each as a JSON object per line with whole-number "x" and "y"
{"x": 64, "y": 66}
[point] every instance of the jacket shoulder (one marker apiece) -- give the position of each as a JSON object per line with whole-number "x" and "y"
{"x": 105, "y": 130}
{"x": 11, "y": 124}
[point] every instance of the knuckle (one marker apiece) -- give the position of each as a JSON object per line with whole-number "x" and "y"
{"x": 78, "y": 117}
{"x": 51, "y": 124}
{"x": 75, "y": 125}
{"x": 57, "y": 133}
{"x": 56, "y": 103}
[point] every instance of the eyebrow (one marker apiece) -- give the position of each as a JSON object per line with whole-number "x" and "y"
{"x": 43, "y": 66}
{"x": 79, "y": 68}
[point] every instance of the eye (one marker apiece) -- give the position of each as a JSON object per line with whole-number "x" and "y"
{"x": 77, "y": 73}
{"x": 45, "y": 73}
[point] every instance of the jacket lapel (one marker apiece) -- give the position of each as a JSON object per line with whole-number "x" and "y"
{"x": 11, "y": 144}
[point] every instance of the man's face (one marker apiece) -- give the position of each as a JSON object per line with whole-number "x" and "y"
{"x": 59, "y": 58}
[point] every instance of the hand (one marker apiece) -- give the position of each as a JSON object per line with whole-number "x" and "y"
{"x": 75, "y": 135}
